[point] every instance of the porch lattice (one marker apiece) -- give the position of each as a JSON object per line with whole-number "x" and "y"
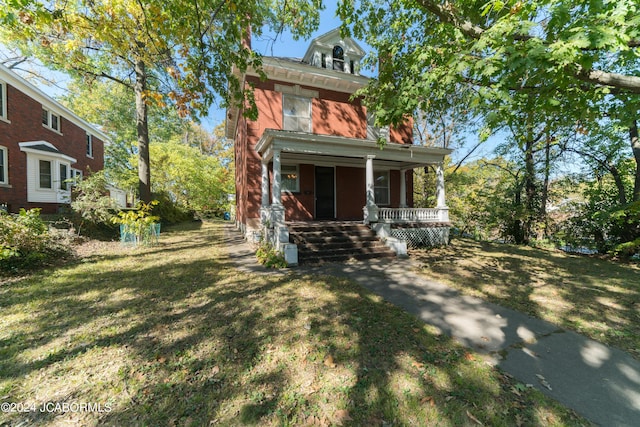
{"x": 422, "y": 236}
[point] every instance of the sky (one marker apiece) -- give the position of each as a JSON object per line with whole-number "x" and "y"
{"x": 283, "y": 45}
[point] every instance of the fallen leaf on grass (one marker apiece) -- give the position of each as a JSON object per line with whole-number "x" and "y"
{"x": 428, "y": 399}
{"x": 328, "y": 361}
{"x": 341, "y": 415}
{"x": 215, "y": 370}
{"x": 469, "y": 357}
{"x": 417, "y": 365}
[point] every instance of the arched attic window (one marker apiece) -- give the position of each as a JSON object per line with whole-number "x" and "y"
{"x": 338, "y": 58}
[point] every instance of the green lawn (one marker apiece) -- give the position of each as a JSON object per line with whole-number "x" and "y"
{"x": 176, "y": 335}
{"x": 593, "y": 296}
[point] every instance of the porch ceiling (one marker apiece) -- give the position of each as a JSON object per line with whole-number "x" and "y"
{"x": 304, "y": 147}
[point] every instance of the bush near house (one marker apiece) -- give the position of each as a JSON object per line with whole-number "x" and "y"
{"x": 26, "y": 241}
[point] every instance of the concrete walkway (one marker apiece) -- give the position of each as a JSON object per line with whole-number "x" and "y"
{"x": 599, "y": 382}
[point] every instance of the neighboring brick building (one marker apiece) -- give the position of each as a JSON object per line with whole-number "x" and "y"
{"x": 42, "y": 144}
{"x": 312, "y": 154}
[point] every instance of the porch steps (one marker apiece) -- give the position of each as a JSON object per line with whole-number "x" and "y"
{"x": 336, "y": 242}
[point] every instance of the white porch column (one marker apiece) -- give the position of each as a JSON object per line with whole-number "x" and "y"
{"x": 443, "y": 210}
{"x": 370, "y": 196}
{"x": 440, "y": 197}
{"x": 370, "y": 210}
{"x": 276, "y": 197}
{"x": 265, "y": 183}
{"x": 403, "y": 188}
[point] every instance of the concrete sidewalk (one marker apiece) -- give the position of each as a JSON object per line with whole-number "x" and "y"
{"x": 599, "y": 382}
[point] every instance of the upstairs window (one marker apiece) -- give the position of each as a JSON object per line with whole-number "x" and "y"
{"x": 297, "y": 113}
{"x": 4, "y": 163}
{"x": 89, "y": 145}
{"x": 50, "y": 120}
{"x": 3, "y": 100}
{"x": 338, "y": 58}
{"x": 323, "y": 57}
{"x": 44, "y": 172}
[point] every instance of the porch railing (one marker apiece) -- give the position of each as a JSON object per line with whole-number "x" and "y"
{"x": 413, "y": 215}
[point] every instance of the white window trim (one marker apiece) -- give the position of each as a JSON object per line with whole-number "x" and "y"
{"x": 297, "y": 188}
{"x": 285, "y": 95}
{"x": 388, "y": 187}
{"x": 90, "y": 145}
{"x": 4, "y": 180}
{"x": 50, "y": 114}
{"x": 4, "y": 110}
{"x": 51, "y": 172}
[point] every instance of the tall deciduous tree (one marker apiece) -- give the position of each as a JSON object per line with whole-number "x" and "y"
{"x": 183, "y": 50}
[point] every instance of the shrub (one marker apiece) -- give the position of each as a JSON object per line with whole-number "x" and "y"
{"x": 26, "y": 241}
{"x": 269, "y": 257}
{"x": 170, "y": 212}
{"x": 138, "y": 222}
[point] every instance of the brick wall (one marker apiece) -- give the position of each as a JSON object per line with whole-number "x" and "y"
{"x": 25, "y": 115}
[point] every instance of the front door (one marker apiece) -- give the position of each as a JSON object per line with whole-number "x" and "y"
{"x": 325, "y": 193}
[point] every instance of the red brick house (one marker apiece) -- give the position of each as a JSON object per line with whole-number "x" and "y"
{"x": 312, "y": 154}
{"x": 42, "y": 144}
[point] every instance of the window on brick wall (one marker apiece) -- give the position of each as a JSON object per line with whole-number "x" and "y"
{"x": 3, "y": 100}
{"x": 4, "y": 166}
{"x": 290, "y": 178}
{"x": 50, "y": 120}
{"x": 381, "y": 187}
{"x": 297, "y": 113}
{"x": 89, "y": 145}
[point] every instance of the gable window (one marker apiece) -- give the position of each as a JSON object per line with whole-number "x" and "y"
{"x": 50, "y": 120}
{"x": 338, "y": 58}
{"x": 89, "y": 145}
{"x": 297, "y": 113}
{"x": 44, "y": 172}
{"x": 324, "y": 60}
{"x": 381, "y": 187}
{"x": 289, "y": 178}
{"x": 3, "y": 100}
{"x": 4, "y": 163}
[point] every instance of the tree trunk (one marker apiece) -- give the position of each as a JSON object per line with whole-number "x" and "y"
{"x": 142, "y": 127}
{"x": 530, "y": 191}
{"x": 635, "y": 146}
{"x": 544, "y": 218}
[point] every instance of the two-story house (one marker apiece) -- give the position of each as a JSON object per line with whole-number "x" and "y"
{"x": 42, "y": 146}
{"x": 313, "y": 154}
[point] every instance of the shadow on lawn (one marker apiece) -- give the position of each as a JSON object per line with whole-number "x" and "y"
{"x": 587, "y": 294}
{"x": 187, "y": 340}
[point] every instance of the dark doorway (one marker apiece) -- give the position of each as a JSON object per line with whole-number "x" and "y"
{"x": 325, "y": 193}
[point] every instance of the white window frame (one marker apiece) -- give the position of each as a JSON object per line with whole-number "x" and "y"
{"x": 63, "y": 184}
{"x": 377, "y": 187}
{"x": 51, "y": 187}
{"x": 4, "y": 162}
{"x": 89, "y": 145}
{"x": 296, "y": 181}
{"x": 3, "y": 101}
{"x": 309, "y": 116}
{"x": 49, "y": 119}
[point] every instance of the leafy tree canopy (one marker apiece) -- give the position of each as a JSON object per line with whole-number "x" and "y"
{"x": 569, "y": 52}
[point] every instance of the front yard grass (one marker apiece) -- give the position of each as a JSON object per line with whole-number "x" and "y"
{"x": 176, "y": 335}
{"x": 593, "y": 296}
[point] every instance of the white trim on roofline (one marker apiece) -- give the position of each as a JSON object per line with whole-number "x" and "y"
{"x": 51, "y": 104}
